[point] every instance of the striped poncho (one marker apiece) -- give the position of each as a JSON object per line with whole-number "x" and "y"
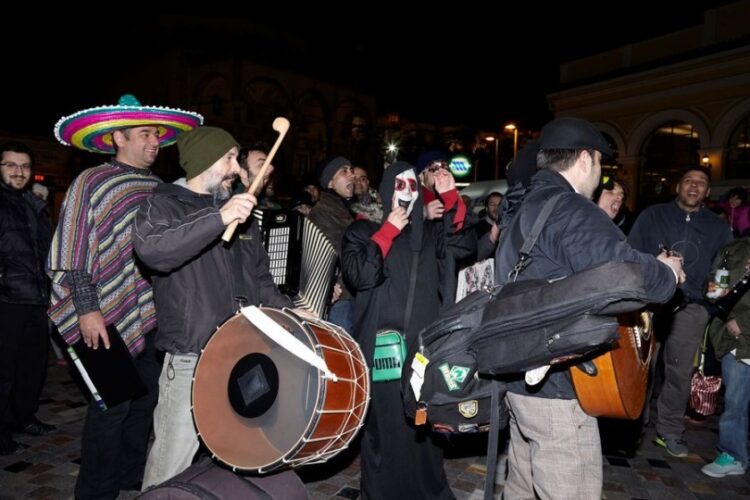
{"x": 94, "y": 236}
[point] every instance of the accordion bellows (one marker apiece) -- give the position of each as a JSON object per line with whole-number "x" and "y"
{"x": 317, "y": 267}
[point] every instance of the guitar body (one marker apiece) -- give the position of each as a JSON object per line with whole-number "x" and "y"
{"x": 618, "y": 390}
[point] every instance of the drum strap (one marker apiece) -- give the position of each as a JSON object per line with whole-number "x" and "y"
{"x": 238, "y": 283}
{"x": 289, "y": 342}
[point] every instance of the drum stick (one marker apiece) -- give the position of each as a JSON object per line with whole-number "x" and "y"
{"x": 280, "y": 125}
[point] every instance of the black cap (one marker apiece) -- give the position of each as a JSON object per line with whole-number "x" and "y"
{"x": 573, "y": 133}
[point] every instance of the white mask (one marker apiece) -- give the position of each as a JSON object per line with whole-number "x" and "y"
{"x": 406, "y": 191}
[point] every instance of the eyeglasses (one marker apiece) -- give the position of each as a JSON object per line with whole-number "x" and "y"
{"x": 13, "y": 166}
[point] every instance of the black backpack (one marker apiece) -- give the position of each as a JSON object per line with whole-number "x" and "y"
{"x": 511, "y": 329}
{"x": 206, "y": 480}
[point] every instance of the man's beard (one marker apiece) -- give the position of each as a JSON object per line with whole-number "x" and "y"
{"x": 13, "y": 178}
{"x": 218, "y": 191}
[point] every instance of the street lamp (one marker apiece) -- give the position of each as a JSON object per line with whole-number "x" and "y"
{"x": 496, "y": 140}
{"x": 509, "y": 127}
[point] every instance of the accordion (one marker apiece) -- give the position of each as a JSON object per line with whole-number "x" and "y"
{"x": 281, "y": 232}
{"x": 302, "y": 260}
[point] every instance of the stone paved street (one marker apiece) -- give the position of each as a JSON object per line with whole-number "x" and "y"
{"x": 47, "y": 467}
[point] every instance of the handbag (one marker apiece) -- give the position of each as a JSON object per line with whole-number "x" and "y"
{"x": 704, "y": 389}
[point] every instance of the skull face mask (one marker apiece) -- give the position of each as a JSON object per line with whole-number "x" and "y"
{"x": 406, "y": 191}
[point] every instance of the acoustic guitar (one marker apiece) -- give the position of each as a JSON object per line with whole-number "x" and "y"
{"x": 618, "y": 389}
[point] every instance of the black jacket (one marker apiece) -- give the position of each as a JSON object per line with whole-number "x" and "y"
{"x": 25, "y": 236}
{"x": 331, "y": 215}
{"x": 196, "y": 277}
{"x": 577, "y": 235}
{"x": 697, "y": 236}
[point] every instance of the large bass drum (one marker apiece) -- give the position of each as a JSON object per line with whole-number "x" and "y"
{"x": 258, "y": 407}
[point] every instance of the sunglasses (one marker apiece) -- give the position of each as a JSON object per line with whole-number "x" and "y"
{"x": 435, "y": 166}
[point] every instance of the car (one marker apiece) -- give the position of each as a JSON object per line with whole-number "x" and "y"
{"x": 478, "y": 191}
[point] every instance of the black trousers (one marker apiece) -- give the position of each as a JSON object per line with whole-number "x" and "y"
{"x": 114, "y": 441}
{"x": 24, "y": 343}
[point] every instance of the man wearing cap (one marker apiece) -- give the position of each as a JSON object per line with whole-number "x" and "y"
{"x": 198, "y": 280}
{"x": 555, "y": 451}
{"x": 96, "y": 281}
{"x": 332, "y": 216}
{"x": 25, "y": 234}
{"x": 687, "y": 227}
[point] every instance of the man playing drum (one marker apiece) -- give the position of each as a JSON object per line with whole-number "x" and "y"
{"x": 198, "y": 280}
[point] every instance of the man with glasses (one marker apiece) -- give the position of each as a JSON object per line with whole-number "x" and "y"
{"x": 25, "y": 234}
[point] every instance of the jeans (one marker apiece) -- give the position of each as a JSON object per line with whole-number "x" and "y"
{"x": 114, "y": 441}
{"x": 679, "y": 348}
{"x": 734, "y": 420}
{"x": 175, "y": 437}
{"x": 24, "y": 343}
{"x": 342, "y": 314}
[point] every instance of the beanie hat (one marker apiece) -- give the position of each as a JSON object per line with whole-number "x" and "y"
{"x": 427, "y": 158}
{"x": 202, "y": 147}
{"x": 328, "y": 169}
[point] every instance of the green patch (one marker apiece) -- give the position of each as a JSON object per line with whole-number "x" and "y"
{"x": 446, "y": 372}
{"x": 459, "y": 373}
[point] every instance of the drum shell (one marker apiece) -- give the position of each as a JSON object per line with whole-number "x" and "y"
{"x": 332, "y": 411}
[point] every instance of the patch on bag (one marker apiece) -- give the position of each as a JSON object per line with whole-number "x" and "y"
{"x": 459, "y": 373}
{"x": 468, "y": 409}
{"x": 446, "y": 372}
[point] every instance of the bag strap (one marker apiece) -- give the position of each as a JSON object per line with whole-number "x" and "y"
{"x": 524, "y": 254}
{"x": 700, "y": 356}
{"x": 492, "y": 441}
{"x": 412, "y": 288}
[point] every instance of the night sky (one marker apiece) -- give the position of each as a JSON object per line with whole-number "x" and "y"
{"x": 445, "y": 67}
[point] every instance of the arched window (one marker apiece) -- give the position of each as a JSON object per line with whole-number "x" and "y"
{"x": 666, "y": 153}
{"x": 738, "y": 152}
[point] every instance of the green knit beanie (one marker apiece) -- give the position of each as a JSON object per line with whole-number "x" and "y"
{"x": 202, "y": 147}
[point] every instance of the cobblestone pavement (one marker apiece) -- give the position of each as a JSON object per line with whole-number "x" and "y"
{"x": 48, "y": 465}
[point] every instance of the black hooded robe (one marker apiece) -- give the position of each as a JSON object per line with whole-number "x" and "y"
{"x": 397, "y": 459}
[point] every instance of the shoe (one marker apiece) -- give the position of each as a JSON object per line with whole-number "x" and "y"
{"x": 724, "y": 465}
{"x": 8, "y": 446}
{"x": 675, "y": 447}
{"x": 37, "y": 428}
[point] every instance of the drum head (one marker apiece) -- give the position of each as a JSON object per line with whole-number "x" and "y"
{"x": 253, "y": 401}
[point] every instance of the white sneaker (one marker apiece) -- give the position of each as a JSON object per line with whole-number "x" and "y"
{"x": 724, "y": 465}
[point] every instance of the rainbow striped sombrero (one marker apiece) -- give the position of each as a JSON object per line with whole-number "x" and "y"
{"x": 91, "y": 129}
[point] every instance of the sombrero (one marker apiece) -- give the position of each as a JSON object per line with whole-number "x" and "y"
{"x": 91, "y": 129}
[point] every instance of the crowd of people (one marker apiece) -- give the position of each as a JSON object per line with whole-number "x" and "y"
{"x": 141, "y": 259}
